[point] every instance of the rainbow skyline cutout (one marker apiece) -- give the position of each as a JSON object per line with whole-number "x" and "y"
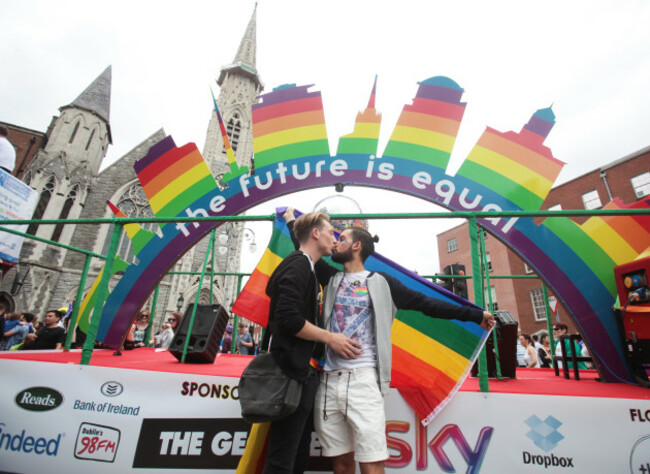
{"x": 504, "y": 171}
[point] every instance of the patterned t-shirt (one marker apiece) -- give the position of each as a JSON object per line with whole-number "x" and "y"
{"x": 353, "y": 316}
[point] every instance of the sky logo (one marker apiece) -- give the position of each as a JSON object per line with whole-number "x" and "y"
{"x": 544, "y": 433}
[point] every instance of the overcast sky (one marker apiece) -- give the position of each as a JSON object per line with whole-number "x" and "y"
{"x": 591, "y": 60}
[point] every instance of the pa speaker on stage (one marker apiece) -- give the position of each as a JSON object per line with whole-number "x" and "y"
{"x": 209, "y": 325}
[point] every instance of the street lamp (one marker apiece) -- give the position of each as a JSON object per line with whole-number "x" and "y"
{"x": 179, "y": 302}
{"x": 248, "y": 235}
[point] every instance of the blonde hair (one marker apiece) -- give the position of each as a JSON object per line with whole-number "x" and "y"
{"x": 305, "y": 223}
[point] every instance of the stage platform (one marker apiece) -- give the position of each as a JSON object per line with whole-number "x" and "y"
{"x": 143, "y": 410}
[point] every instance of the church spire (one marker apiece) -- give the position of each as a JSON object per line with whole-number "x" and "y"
{"x": 245, "y": 59}
{"x": 96, "y": 98}
{"x": 247, "y": 48}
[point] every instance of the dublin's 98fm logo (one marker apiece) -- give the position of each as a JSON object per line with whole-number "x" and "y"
{"x": 97, "y": 442}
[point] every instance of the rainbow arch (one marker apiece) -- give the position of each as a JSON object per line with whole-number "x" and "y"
{"x": 504, "y": 171}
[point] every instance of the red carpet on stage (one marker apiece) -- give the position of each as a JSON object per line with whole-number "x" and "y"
{"x": 528, "y": 381}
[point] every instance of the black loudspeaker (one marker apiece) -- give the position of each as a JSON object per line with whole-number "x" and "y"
{"x": 506, "y": 330}
{"x": 209, "y": 325}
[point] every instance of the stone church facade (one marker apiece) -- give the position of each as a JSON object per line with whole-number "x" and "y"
{"x": 66, "y": 173}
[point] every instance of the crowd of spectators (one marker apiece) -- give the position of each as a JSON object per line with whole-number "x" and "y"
{"x": 535, "y": 351}
{"x": 23, "y": 331}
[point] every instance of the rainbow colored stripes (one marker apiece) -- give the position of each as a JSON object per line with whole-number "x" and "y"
{"x": 426, "y": 130}
{"x": 174, "y": 180}
{"x": 252, "y": 302}
{"x": 235, "y": 170}
{"x": 139, "y": 237}
{"x": 364, "y": 139}
{"x": 517, "y": 165}
{"x": 288, "y": 123}
{"x": 88, "y": 303}
{"x": 431, "y": 357}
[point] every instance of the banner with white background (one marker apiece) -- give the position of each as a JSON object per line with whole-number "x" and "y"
{"x": 71, "y": 418}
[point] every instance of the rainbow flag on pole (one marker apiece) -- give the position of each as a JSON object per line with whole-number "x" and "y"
{"x": 431, "y": 357}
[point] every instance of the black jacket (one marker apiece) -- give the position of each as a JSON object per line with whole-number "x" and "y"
{"x": 294, "y": 295}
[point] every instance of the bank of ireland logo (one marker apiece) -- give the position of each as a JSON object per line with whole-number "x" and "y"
{"x": 544, "y": 433}
{"x": 112, "y": 389}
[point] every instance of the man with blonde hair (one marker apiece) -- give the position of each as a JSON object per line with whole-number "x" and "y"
{"x": 298, "y": 339}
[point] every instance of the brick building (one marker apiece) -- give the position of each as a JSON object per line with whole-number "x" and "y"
{"x": 27, "y": 142}
{"x": 627, "y": 179}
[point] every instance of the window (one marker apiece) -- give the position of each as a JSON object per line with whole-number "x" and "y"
{"x": 557, "y": 207}
{"x": 527, "y": 268}
{"x": 133, "y": 203}
{"x": 233, "y": 130}
{"x": 65, "y": 211}
{"x": 488, "y": 261}
{"x": 537, "y": 299}
{"x": 641, "y": 184}
{"x": 493, "y": 295}
{"x": 90, "y": 138}
{"x": 591, "y": 200}
{"x": 452, "y": 245}
{"x": 74, "y": 132}
{"x": 43, "y": 200}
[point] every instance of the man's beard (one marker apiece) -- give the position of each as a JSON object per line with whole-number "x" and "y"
{"x": 342, "y": 257}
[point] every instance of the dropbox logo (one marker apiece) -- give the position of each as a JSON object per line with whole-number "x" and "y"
{"x": 544, "y": 433}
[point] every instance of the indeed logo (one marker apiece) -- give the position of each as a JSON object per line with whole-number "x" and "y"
{"x": 29, "y": 444}
{"x": 39, "y": 399}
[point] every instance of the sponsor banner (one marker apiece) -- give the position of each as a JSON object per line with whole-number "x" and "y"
{"x": 71, "y": 418}
{"x": 17, "y": 201}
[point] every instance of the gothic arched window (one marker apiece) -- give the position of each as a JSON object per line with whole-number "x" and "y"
{"x": 133, "y": 203}
{"x": 74, "y": 132}
{"x": 233, "y": 129}
{"x": 65, "y": 212}
{"x": 46, "y": 194}
{"x": 90, "y": 138}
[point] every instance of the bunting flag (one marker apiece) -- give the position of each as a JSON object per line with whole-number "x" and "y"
{"x": 431, "y": 357}
{"x": 88, "y": 303}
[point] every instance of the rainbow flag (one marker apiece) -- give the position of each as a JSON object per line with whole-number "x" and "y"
{"x": 235, "y": 170}
{"x": 139, "y": 237}
{"x": 431, "y": 357}
{"x": 257, "y": 445}
{"x": 88, "y": 303}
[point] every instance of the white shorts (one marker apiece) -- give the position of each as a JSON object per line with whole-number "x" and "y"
{"x": 354, "y": 417}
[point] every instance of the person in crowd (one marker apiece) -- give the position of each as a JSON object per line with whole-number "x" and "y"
{"x": 530, "y": 357}
{"x": 521, "y": 351}
{"x": 244, "y": 340}
{"x": 17, "y": 333}
{"x": 361, "y": 305}
{"x": 297, "y": 337}
{"x": 135, "y": 337}
{"x": 29, "y": 319}
{"x": 559, "y": 330}
{"x": 164, "y": 339}
{"x": 10, "y": 322}
{"x": 7, "y": 151}
{"x": 51, "y": 335}
{"x": 226, "y": 342}
{"x": 544, "y": 352}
